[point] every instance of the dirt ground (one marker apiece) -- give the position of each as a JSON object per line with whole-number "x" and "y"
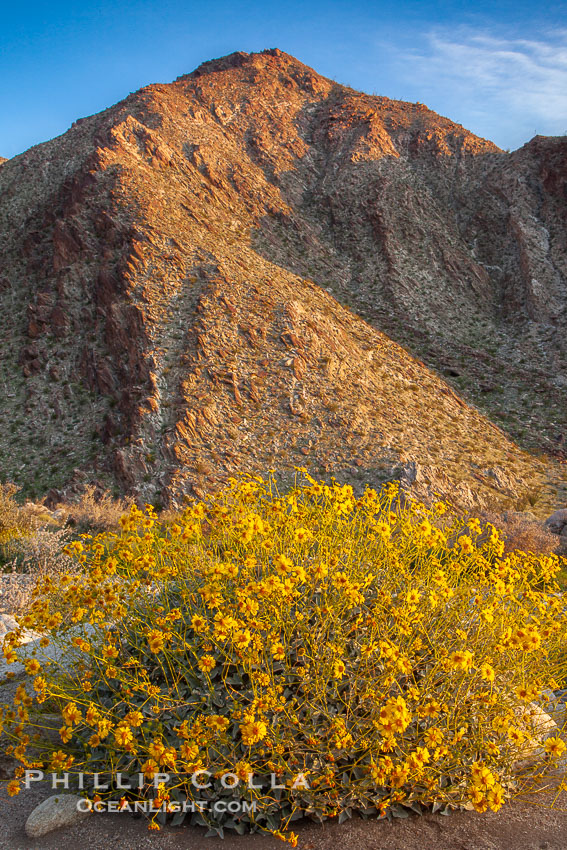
{"x": 518, "y": 826}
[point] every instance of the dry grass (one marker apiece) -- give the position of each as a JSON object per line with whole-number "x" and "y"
{"x": 95, "y": 511}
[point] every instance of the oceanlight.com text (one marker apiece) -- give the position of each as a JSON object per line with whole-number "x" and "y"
{"x": 233, "y": 807}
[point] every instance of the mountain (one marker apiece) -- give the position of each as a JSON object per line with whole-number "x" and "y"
{"x": 256, "y": 267}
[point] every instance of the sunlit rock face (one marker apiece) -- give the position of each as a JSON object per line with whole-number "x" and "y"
{"x": 213, "y": 276}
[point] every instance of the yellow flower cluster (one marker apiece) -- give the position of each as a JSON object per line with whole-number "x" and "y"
{"x": 486, "y": 792}
{"x": 394, "y": 716}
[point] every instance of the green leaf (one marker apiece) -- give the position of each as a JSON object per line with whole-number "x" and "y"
{"x": 399, "y": 811}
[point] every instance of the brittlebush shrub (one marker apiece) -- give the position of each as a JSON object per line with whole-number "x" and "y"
{"x": 371, "y": 656}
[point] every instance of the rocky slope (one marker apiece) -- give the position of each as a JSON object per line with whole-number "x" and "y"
{"x": 209, "y": 277}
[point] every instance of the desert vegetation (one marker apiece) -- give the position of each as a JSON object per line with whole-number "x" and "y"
{"x": 15, "y": 522}
{"x": 371, "y": 654}
{"x": 520, "y": 530}
{"x": 33, "y": 539}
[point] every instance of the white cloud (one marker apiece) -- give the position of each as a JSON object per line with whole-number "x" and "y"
{"x": 513, "y": 86}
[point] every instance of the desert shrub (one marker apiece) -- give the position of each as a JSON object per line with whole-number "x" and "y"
{"x": 367, "y": 654}
{"x": 34, "y": 557}
{"x": 29, "y": 548}
{"x": 94, "y": 511}
{"x": 520, "y": 531}
{"x": 16, "y": 522}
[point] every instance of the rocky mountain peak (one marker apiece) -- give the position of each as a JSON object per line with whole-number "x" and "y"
{"x": 272, "y": 60}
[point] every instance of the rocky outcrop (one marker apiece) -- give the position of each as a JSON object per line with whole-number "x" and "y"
{"x": 208, "y": 278}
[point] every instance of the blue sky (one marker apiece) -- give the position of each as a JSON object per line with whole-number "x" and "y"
{"x": 498, "y": 68}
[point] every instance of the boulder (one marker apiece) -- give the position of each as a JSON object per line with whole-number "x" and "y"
{"x": 539, "y": 725}
{"x": 553, "y": 704}
{"x": 7, "y": 624}
{"x": 63, "y": 654}
{"x": 56, "y": 812}
{"x": 557, "y": 521}
{"x": 539, "y": 722}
